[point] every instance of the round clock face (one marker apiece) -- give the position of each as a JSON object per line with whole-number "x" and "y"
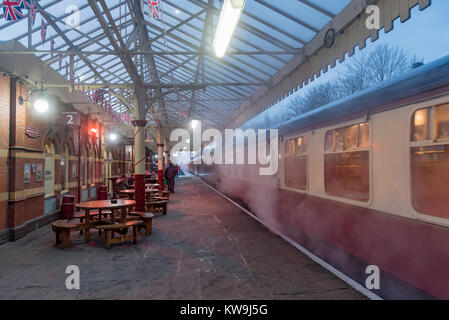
{"x": 329, "y": 38}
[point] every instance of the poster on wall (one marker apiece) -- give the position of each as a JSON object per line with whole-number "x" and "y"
{"x": 27, "y": 173}
{"x": 39, "y": 172}
{"x": 74, "y": 170}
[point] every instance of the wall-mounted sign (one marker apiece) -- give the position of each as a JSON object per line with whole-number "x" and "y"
{"x": 27, "y": 173}
{"x": 39, "y": 172}
{"x": 71, "y": 118}
{"x": 32, "y": 132}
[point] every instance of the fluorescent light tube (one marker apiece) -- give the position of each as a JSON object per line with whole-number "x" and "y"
{"x": 229, "y": 18}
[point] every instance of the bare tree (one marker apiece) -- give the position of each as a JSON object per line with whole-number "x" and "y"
{"x": 361, "y": 71}
{"x": 382, "y": 63}
{"x": 356, "y": 76}
{"x": 319, "y": 95}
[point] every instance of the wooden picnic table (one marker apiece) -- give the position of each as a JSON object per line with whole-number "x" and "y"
{"x": 103, "y": 205}
{"x": 130, "y": 193}
{"x": 152, "y": 185}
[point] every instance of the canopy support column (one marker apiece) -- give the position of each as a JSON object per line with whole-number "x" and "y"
{"x": 139, "y": 152}
{"x": 139, "y": 163}
{"x": 160, "y": 164}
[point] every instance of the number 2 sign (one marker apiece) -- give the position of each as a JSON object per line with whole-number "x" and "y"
{"x": 71, "y": 118}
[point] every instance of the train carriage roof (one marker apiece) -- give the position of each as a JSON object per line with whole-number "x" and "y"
{"x": 387, "y": 95}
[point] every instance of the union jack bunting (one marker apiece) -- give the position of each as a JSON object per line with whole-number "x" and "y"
{"x": 52, "y": 46}
{"x": 43, "y": 31}
{"x": 12, "y": 10}
{"x": 60, "y": 61}
{"x": 33, "y": 12}
{"x": 154, "y": 8}
{"x": 72, "y": 81}
{"x": 26, "y": 4}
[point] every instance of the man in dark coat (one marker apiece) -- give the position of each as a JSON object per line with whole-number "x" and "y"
{"x": 170, "y": 174}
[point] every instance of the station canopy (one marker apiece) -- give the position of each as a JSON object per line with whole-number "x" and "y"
{"x": 175, "y": 61}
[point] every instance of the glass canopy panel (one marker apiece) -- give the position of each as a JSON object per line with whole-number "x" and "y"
{"x": 266, "y": 26}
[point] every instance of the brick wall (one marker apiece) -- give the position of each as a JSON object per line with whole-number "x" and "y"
{"x": 4, "y": 145}
{"x": 22, "y": 203}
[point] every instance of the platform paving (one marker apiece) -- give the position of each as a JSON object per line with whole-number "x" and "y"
{"x": 205, "y": 248}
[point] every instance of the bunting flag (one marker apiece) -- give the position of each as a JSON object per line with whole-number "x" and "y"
{"x": 26, "y": 4}
{"x": 154, "y": 9}
{"x": 43, "y": 31}
{"x": 33, "y": 13}
{"x": 12, "y": 10}
{"x": 52, "y": 46}
{"x": 60, "y": 62}
{"x": 72, "y": 81}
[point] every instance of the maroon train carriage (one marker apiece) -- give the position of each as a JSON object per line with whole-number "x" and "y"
{"x": 363, "y": 181}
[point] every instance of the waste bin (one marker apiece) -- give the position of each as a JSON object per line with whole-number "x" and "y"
{"x": 67, "y": 207}
{"x": 103, "y": 193}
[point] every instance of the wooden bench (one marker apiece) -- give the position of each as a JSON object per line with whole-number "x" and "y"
{"x": 62, "y": 229}
{"x": 164, "y": 194}
{"x": 82, "y": 216}
{"x": 121, "y": 228}
{"x": 147, "y": 219}
{"x": 159, "y": 206}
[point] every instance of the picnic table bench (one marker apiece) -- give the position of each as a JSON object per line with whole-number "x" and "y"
{"x": 122, "y": 229}
{"x": 62, "y": 229}
{"x": 147, "y": 219}
{"x": 158, "y": 206}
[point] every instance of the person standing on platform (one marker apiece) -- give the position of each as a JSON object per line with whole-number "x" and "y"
{"x": 122, "y": 183}
{"x": 177, "y": 171}
{"x": 170, "y": 173}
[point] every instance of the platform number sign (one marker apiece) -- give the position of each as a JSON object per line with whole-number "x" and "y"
{"x": 71, "y": 118}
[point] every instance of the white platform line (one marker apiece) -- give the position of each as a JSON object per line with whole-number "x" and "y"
{"x": 324, "y": 264}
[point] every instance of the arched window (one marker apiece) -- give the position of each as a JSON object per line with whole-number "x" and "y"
{"x": 104, "y": 171}
{"x": 84, "y": 168}
{"x": 49, "y": 176}
{"x": 109, "y": 170}
{"x": 64, "y": 168}
{"x": 91, "y": 175}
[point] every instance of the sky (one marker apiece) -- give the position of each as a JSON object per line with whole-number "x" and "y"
{"x": 425, "y": 34}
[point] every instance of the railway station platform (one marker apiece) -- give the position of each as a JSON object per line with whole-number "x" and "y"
{"x": 204, "y": 248}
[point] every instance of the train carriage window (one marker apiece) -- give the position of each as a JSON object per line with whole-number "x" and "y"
{"x": 442, "y": 115}
{"x": 420, "y": 128}
{"x": 363, "y": 135}
{"x": 350, "y": 137}
{"x": 339, "y": 141}
{"x": 346, "y": 165}
{"x": 296, "y": 163}
{"x": 329, "y": 143}
{"x": 429, "y": 155}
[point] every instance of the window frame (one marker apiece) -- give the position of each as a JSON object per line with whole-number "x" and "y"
{"x": 368, "y": 148}
{"x": 52, "y": 154}
{"x": 65, "y": 154}
{"x": 424, "y": 143}
{"x": 286, "y": 156}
